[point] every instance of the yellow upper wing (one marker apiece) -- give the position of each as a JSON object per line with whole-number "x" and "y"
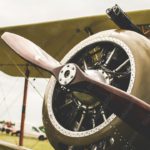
{"x": 57, "y": 38}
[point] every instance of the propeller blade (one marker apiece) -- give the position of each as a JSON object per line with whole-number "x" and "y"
{"x": 31, "y": 52}
{"x": 132, "y": 110}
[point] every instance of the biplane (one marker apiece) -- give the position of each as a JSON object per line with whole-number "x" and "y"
{"x": 98, "y": 96}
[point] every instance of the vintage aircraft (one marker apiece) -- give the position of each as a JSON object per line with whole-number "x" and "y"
{"x": 98, "y": 97}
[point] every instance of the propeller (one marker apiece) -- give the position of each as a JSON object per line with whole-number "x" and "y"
{"x": 31, "y": 52}
{"x": 132, "y": 110}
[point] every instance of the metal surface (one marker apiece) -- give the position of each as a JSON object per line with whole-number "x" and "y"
{"x": 67, "y": 74}
{"x": 115, "y": 128}
{"x": 121, "y": 19}
{"x": 101, "y": 126}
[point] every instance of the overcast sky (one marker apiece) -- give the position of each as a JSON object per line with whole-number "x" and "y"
{"x": 16, "y": 12}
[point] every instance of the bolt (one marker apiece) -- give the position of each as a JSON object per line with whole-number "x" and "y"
{"x": 112, "y": 140}
{"x": 63, "y": 88}
{"x": 68, "y": 90}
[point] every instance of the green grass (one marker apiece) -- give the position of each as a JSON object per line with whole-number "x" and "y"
{"x": 28, "y": 142}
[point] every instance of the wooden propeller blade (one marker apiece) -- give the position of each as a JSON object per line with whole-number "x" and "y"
{"x": 134, "y": 111}
{"x": 31, "y": 52}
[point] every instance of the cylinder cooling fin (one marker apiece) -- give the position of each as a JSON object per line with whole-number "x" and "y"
{"x": 74, "y": 119}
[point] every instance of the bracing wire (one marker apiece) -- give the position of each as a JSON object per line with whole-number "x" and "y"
{"x": 23, "y": 74}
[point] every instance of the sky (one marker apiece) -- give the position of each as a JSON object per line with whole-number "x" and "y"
{"x": 18, "y": 12}
{"x": 14, "y": 12}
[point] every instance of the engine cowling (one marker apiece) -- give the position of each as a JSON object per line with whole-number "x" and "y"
{"x": 76, "y": 120}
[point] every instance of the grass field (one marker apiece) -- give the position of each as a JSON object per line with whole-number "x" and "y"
{"x": 28, "y": 142}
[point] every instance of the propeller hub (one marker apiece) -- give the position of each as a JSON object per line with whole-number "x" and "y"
{"x": 67, "y": 74}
